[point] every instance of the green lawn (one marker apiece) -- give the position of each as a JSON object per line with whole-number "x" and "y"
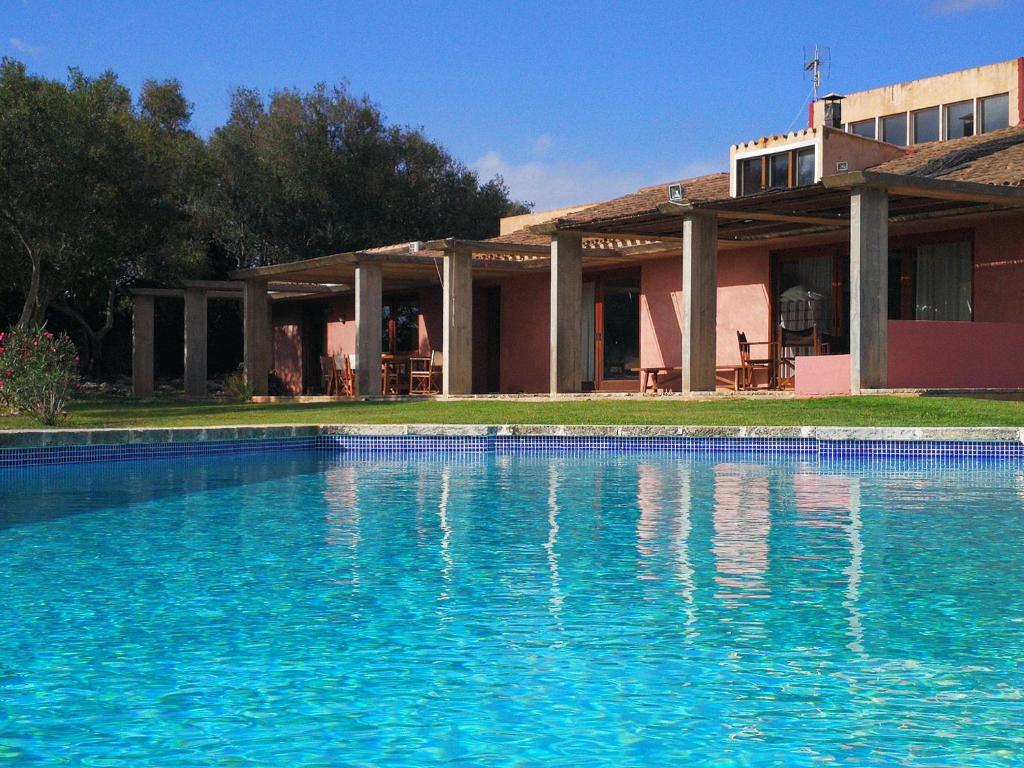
{"x": 837, "y": 411}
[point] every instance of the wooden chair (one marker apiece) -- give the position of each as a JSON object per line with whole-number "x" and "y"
{"x": 328, "y": 379}
{"x": 790, "y": 340}
{"x": 389, "y": 377}
{"x": 749, "y": 364}
{"x": 422, "y": 371}
{"x": 346, "y": 377}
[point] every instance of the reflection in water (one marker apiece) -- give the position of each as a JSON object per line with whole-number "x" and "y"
{"x": 557, "y": 598}
{"x": 650, "y": 496}
{"x": 342, "y": 517}
{"x": 680, "y": 542}
{"x": 831, "y": 503}
{"x": 742, "y": 522}
{"x": 446, "y": 533}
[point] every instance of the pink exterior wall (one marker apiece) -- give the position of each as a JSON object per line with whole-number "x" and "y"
{"x": 940, "y": 354}
{"x": 341, "y": 326}
{"x": 287, "y": 346}
{"x": 431, "y": 319}
{"x": 743, "y": 305}
{"x": 525, "y": 316}
{"x": 823, "y": 375}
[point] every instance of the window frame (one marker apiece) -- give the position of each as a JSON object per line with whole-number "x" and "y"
{"x": 944, "y": 132}
{"x": 765, "y": 158}
{"x": 979, "y": 120}
{"x": 914, "y": 114}
{"x": 906, "y": 246}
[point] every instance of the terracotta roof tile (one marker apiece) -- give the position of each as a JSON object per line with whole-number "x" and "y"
{"x": 645, "y": 201}
{"x": 991, "y": 158}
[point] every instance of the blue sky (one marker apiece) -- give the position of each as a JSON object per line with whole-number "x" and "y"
{"x": 571, "y": 102}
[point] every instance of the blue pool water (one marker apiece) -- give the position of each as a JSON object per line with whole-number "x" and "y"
{"x": 314, "y": 609}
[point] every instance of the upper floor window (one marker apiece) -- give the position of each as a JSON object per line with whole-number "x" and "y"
{"x": 926, "y": 125}
{"x": 894, "y": 129}
{"x": 865, "y": 128}
{"x": 778, "y": 170}
{"x": 960, "y": 120}
{"x": 994, "y": 112}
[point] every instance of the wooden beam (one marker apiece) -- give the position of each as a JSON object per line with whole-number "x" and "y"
{"x": 675, "y": 209}
{"x": 939, "y": 189}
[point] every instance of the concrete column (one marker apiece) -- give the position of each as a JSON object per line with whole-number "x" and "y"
{"x": 257, "y": 331}
{"x": 142, "y": 346}
{"x": 195, "y": 342}
{"x": 457, "y": 320}
{"x": 565, "y": 366}
{"x": 869, "y": 288}
{"x": 699, "y": 301}
{"x": 369, "y": 329}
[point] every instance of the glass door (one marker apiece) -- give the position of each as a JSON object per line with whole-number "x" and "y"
{"x": 618, "y": 329}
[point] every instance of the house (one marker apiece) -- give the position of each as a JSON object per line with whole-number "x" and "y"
{"x": 892, "y": 227}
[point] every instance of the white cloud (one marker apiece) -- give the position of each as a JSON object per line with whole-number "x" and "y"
{"x": 20, "y": 45}
{"x": 543, "y": 144}
{"x": 948, "y": 7}
{"x": 559, "y": 184}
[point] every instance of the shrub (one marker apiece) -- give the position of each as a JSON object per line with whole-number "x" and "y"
{"x": 237, "y": 388}
{"x": 37, "y": 373}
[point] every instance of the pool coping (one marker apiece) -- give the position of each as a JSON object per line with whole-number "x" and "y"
{"x": 59, "y": 438}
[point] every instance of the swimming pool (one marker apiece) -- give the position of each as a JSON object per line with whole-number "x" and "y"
{"x": 312, "y": 608}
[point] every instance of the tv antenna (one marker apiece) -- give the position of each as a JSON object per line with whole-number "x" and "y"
{"x": 817, "y": 61}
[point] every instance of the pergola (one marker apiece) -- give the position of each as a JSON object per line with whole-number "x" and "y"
{"x": 196, "y": 294}
{"x": 864, "y": 203}
{"x": 453, "y": 263}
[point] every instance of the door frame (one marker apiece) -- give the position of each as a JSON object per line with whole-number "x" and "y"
{"x": 599, "y": 279}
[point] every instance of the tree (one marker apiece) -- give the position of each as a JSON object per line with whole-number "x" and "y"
{"x": 93, "y": 197}
{"x": 302, "y": 175}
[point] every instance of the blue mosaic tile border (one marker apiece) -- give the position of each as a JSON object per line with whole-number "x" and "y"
{"x": 510, "y": 445}
{"x": 921, "y": 448}
{"x": 81, "y": 454}
{"x": 743, "y": 446}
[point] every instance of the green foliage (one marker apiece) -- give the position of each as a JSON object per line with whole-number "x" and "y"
{"x": 99, "y": 192}
{"x": 37, "y": 373}
{"x": 306, "y": 174}
{"x": 238, "y": 388}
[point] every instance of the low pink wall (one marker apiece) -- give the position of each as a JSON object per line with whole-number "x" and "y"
{"x": 942, "y": 354}
{"x": 823, "y": 375}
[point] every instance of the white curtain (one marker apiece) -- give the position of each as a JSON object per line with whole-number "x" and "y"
{"x": 943, "y": 282}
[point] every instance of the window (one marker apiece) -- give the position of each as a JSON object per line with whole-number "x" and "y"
{"x": 931, "y": 282}
{"x": 865, "y": 128}
{"x": 805, "y": 167}
{"x": 750, "y": 172}
{"x": 994, "y": 112}
{"x": 926, "y": 125}
{"x": 943, "y": 282}
{"x": 894, "y": 129}
{"x": 778, "y": 171}
{"x": 960, "y": 120}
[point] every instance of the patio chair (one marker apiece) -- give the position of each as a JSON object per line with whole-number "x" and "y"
{"x": 327, "y": 374}
{"x": 347, "y": 377}
{"x": 749, "y": 364}
{"x": 794, "y": 343}
{"x": 422, "y": 371}
{"x": 389, "y": 377}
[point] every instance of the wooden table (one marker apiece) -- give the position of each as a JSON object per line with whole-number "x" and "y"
{"x": 649, "y": 376}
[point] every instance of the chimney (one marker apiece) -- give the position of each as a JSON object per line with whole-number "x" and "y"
{"x": 833, "y": 117}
